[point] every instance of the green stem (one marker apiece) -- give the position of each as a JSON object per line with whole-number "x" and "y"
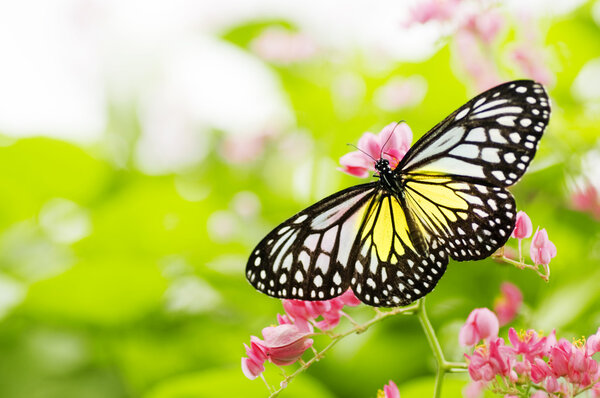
{"x": 443, "y": 366}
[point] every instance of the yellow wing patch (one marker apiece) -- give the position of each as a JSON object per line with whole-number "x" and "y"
{"x": 387, "y": 224}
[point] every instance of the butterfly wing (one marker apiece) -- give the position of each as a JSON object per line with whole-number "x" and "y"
{"x": 307, "y": 256}
{"x": 470, "y": 220}
{"x": 490, "y": 140}
{"x": 388, "y": 269}
{"x": 454, "y": 178}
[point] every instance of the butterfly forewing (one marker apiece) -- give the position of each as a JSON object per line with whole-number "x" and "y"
{"x": 307, "y": 256}
{"x": 490, "y": 140}
{"x": 389, "y": 271}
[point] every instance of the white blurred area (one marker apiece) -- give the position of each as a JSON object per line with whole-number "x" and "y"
{"x": 65, "y": 63}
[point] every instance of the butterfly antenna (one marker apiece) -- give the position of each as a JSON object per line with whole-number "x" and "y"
{"x": 390, "y": 136}
{"x": 354, "y": 146}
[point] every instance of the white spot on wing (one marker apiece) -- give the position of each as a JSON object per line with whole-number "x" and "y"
{"x": 466, "y": 151}
{"x": 462, "y": 114}
{"x": 476, "y": 135}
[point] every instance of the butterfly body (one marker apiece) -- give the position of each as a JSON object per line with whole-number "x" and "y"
{"x": 391, "y": 240}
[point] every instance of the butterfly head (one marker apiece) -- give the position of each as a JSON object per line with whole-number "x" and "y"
{"x": 383, "y": 166}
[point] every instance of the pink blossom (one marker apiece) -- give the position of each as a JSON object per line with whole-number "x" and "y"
{"x": 523, "y": 227}
{"x": 551, "y": 384}
{"x": 508, "y": 305}
{"x": 432, "y": 10}
{"x": 285, "y": 344}
{"x": 573, "y": 363}
{"x": 302, "y": 312}
{"x": 486, "y": 25}
{"x": 529, "y": 344}
{"x": 592, "y": 344}
{"x": 396, "y": 137}
{"x": 491, "y": 360}
{"x": 540, "y": 370}
{"x": 253, "y": 366}
{"x": 587, "y": 199}
{"x": 481, "y": 324}
{"x": 542, "y": 250}
{"x": 390, "y": 390}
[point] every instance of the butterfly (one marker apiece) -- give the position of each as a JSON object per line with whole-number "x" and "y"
{"x": 390, "y": 240}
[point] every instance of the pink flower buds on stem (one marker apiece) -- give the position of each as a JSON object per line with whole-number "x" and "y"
{"x": 542, "y": 250}
{"x": 523, "y": 230}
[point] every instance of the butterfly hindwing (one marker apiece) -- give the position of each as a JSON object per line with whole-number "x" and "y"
{"x": 306, "y": 257}
{"x": 490, "y": 140}
{"x": 388, "y": 270}
{"x": 471, "y": 221}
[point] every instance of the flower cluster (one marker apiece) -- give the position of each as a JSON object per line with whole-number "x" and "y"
{"x": 530, "y": 362}
{"x": 285, "y": 343}
{"x": 476, "y": 25}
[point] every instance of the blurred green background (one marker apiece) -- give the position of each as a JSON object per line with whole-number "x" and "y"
{"x": 147, "y": 147}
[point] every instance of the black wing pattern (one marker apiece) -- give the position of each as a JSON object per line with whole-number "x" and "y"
{"x": 307, "y": 256}
{"x": 490, "y": 140}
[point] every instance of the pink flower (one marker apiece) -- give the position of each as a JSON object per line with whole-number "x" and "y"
{"x": 508, "y": 305}
{"x": 486, "y": 24}
{"x": 432, "y": 10}
{"x": 390, "y": 390}
{"x": 523, "y": 227}
{"x": 573, "y": 363}
{"x": 285, "y": 344}
{"x": 592, "y": 344}
{"x": 253, "y": 366}
{"x": 302, "y": 312}
{"x": 587, "y": 199}
{"x": 542, "y": 250}
{"x": 540, "y": 370}
{"x": 481, "y": 324}
{"x": 490, "y": 361}
{"x": 396, "y": 137}
{"x": 528, "y": 344}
